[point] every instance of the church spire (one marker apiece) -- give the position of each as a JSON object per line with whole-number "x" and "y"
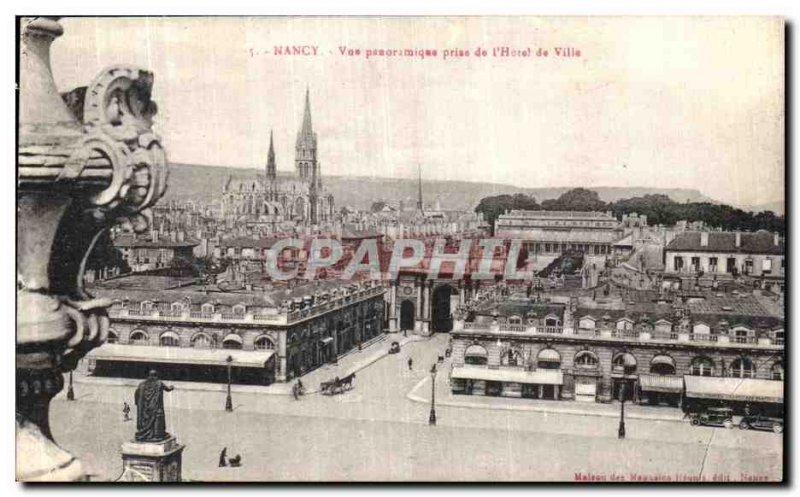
{"x": 306, "y": 129}
{"x": 419, "y": 193}
{"x": 306, "y": 147}
{"x": 271, "y": 169}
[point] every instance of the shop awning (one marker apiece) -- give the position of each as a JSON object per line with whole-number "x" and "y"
{"x": 741, "y": 389}
{"x": 538, "y": 377}
{"x": 475, "y": 351}
{"x": 627, "y": 360}
{"x": 663, "y": 359}
{"x": 549, "y": 355}
{"x": 233, "y": 337}
{"x": 661, "y": 383}
{"x": 181, "y": 355}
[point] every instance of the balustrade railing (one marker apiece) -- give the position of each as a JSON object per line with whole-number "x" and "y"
{"x": 630, "y": 335}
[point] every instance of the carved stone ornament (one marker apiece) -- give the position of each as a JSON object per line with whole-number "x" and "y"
{"x": 86, "y": 160}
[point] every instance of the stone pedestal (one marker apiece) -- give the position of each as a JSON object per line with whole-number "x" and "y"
{"x": 152, "y": 461}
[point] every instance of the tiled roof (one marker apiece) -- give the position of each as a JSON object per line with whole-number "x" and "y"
{"x": 760, "y": 242}
{"x": 143, "y": 289}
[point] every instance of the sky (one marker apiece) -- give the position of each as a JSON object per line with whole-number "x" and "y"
{"x": 654, "y": 102}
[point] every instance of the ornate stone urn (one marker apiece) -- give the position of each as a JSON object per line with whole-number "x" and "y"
{"x": 86, "y": 160}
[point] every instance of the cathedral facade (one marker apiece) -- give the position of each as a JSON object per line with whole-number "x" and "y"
{"x": 281, "y": 200}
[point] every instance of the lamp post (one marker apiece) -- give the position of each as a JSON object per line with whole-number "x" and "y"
{"x": 228, "y": 401}
{"x": 621, "y": 430}
{"x": 432, "y": 417}
{"x": 70, "y": 391}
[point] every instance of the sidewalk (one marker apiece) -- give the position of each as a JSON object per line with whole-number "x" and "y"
{"x": 444, "y": 397}
{"x": 351, "y": 362}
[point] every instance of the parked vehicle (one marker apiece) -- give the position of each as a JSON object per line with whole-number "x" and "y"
{"x": 713, "y": 416}
{"x": 759, "y": 422}
{"x": 394, "y": 348}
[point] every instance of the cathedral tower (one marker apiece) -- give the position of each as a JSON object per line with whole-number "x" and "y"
{"x": 306, "y": 148}
{"x": 306, "y": 161}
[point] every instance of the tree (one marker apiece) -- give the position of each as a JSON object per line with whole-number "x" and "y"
{"x": 493, "y": 207}
{"x": 577, "y": 199}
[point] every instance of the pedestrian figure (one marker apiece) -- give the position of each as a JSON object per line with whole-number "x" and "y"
{"x": 410, "y": 363}
{"x": 294, "y": 391}
{"x": 300, "y": 388}
{"x": 223, "y": 457}
{"x": 126, "y": 411}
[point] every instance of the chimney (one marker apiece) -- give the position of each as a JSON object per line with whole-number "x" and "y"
{"x": 704, "y": 239}
{"x": 776, "y": 239}
{"x": 738, "y": 239}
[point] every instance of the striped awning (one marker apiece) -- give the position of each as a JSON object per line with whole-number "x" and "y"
{"x": 475, "y": 351}
{"x": 741, "y": 389}
{"x": 663, "y": 359}
{"x": 549, "y": 355}
{"x": 627, "y": 360}
{"x": 510, "y": 375}
{"x": 232, "y": 337}
{"x": 661, "y": 383}
{"x": 180, "y": 355}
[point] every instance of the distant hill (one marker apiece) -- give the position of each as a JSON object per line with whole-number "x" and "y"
{"x": 205, "y": 183}
{"x": 776, "y": 207}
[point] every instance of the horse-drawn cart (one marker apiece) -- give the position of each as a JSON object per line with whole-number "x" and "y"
{"x": 337, "y": 385}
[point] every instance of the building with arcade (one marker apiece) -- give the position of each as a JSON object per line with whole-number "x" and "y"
{"x": 640, "y": 350}
{"x": 188, "y": 331}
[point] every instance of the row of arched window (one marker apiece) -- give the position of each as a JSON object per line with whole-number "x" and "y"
{"x": 742, "y": 367}
{"x": 199, "y": 340}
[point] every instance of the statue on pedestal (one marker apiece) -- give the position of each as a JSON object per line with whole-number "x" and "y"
{"x": 150, "y": 419}
{"x": 154, "y": 455}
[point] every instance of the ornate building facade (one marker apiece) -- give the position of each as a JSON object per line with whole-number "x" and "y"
{"x": 271, "y": 335}
{"x": 274, "y": 199}
{"x": 642, "y": 351}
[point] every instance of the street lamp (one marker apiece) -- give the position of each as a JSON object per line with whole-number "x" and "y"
{"x": 432, "y": 417}
{"x": 70, "y": 391}
{"x": 621, "y": 430}
{"x": 228, "y": 401}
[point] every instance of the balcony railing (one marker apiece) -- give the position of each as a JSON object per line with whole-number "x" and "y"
{"x": 617, "y": 335}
